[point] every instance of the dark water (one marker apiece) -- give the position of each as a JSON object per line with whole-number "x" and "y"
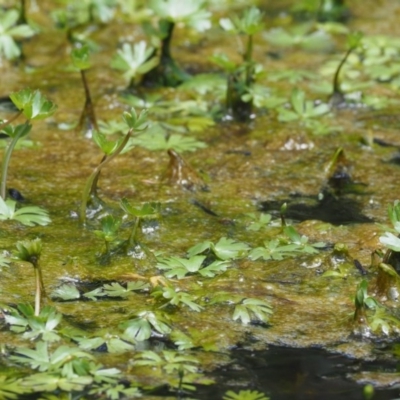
{"x": 295, "y": 374}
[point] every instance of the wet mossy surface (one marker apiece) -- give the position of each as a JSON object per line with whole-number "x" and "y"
{"x": 245, "y": 168}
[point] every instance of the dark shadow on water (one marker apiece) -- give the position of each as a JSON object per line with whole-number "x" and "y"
{"x": 294, "y": 374}
{"x": 332, "y": 209}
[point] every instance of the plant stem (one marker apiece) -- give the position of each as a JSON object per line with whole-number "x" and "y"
{"x": 38, "y": 294}
{"x": 336, "y": 83}
{"x": 247, "y": 59}
{"x": 132, "y": 236}
{"x": 6, "y": 161}
{"x": 94, "y": 175}
{"x": 88, "y": 109}
{"x": 22, "y": 13}
{"x": 93, "y": 188}
{"x": 6, "y": 123}
{"x": 39, "y": 284}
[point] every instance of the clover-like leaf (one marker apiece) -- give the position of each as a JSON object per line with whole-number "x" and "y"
{"x": 134, "y": 60}
{"x": 67, "y": 291}
{"x": 81, "y": 57}
{"x": 134, "y": 121}
{"x": 10, "y": 31}
{"x": 33, "y": 104}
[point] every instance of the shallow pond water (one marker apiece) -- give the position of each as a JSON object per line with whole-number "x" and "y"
{"x": 221, "y": 190}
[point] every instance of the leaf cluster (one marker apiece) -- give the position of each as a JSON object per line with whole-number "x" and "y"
{"x": 145, "y": 324}
{"x": 290, "y": 245}
{"x": 29, "y": 215}
{"x": 206, "y": 259}
{"x": 177, "y": 298}
{"x": 249, "y": 23}
{"x": 10, "y": 32}
{"x": 43, "y": 326}
{"x": 69, "y": 291}
{"x": 246, "y": 309}
{"x": 302, "y": 109}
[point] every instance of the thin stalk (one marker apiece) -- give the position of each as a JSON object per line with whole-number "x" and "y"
{"x": 12, "y": 119}
{"x": 247, "y": 59}
{"x": 22, "y": 13}
{"x": 336, "y": 83}
{"x": 39, "y": 285}
{"x": 93, "y": 189}
{"x": 95, "y": 174}
{"x": 166, "y": 42}
{"x": 88, "y": 109}
{"x": 132, "y": 236}
{"x": 38, "y": 294}
{"x": 5, "y": 163}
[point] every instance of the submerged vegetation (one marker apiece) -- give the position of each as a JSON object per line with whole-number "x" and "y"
{"x": 151, "y": 270}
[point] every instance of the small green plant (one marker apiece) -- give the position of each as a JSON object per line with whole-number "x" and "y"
{"x": 290, "y": 245}
{"x": 177, "y": 298}
{"x": 30, "y": 251}
{"x": 181, "y": 267}
{"x": 370, "y": 316}
{"x": 81, "y": 61}
{"x": 42, "y": 326}
{"x": 108, "y": 233}
{"x": 11, "y": 30}
{"x": 105, "y": 341}
{"x": 146, "y": 211}
{"x": 145, "y": 324}
{"x": 353, "y": 42}
{"x": 172, "y": 13}
{"x": 69, "y": 291}
{"x": 246, "y": 309}
{"x": 68, "y": 369}
{"x": 241, "y": 77}
{"x": 33, "y": 106}
{"x": 29, "y": 215}
{"x": 134, "y": 61}
{"x": 110, "y": 149}
{"x": 79, "y": 14}
{"x": 302, "y": 110}
{"x": 225, "y": 249}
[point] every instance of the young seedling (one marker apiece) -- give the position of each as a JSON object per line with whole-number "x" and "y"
{"x": 135, "y": 61}
{"x": 362, "y": 302}
{"x": 147, "y": 211}
{"x": 338, "y": 98}
{"x": 239, "y": 102}
{"x": 33, "y": 106}
{"x": 135, "y": 123}
{"x": 172, "y": 13}
{"x": 80, "y": 14}
{"x": 109, "y": 233}
{"x": 87, "y": 120}
{"x": 302, "y": 110}
{"x": 30, "y": 251}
